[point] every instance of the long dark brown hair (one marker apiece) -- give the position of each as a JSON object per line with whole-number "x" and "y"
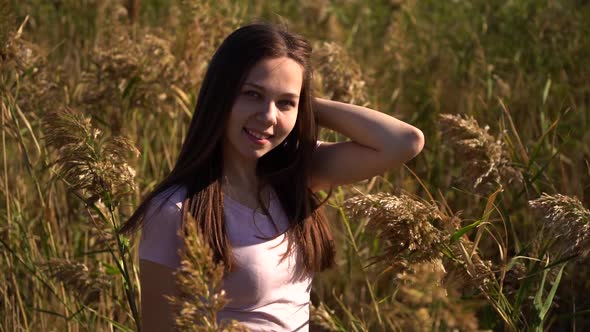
{"x": 286, "y": 168}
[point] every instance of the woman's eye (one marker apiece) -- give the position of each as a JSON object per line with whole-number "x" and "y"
{"x": 252, "y": 93}
{"x": 287, "y": 103}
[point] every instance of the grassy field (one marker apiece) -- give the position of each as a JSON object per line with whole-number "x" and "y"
{"x": 487, "y": 229}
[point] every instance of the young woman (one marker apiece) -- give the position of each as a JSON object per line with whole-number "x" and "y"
{"x": 247, "y": 172}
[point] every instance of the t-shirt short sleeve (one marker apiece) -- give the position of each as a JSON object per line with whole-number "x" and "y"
{"x": 318, "y": 143}
{"x": 160, "y": 241}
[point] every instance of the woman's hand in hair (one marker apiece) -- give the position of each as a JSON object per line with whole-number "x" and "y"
{"x": 378, "y": 142}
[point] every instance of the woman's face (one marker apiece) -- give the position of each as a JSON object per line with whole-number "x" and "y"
{"x": 265, "y": 110}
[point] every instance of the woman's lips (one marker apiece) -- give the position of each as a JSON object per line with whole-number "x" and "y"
{"x": 255, "y": 139}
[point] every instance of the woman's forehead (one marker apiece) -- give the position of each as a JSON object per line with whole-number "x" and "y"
{"x": 278, "y": 75}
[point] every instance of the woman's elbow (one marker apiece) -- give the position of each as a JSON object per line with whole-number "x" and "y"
{"x": 418, "y": 142}
{"x": 409, "y": 146}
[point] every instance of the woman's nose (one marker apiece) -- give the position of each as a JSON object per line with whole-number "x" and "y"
{"x": 269, "y": 114}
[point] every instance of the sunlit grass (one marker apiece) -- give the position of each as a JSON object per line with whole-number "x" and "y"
{"x": 486, "y": 229}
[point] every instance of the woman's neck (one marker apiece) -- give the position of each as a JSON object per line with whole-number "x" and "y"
{"x": 245, "y": 194}
{"x": 241, "y": 184}
{"x": 240, "y": 178}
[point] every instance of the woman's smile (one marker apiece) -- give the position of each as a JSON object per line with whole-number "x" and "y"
{"x": 256, "y": 137}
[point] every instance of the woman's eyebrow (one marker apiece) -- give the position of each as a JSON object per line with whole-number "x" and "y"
{"x": 260, "y": 87}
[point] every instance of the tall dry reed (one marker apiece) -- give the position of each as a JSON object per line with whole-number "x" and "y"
{"x": 200, "y": 283}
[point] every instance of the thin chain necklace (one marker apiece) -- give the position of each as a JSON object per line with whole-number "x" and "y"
{"x": 229, "y": 190}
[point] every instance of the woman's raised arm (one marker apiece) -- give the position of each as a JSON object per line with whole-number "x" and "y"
{"x": 378, "y": 142}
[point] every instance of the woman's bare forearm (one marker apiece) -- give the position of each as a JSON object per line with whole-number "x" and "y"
{"x": 370, "y": 128}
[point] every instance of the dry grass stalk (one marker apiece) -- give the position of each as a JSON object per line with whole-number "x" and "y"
{"x": 200, "y": 281}
{"x": 421, "y": 283}
{"x": 6, "y": 29}
{"x": 416, "y": 232}
{"x": 323, "y": 317}
{"x": 473, "y": 271}
{"x": 206, "y": 24}
{"x": 567, "y": 222}
{"x": 15, "y": 53}
{"x": 318, "y": 11}
{"x": 513, "y": 278}
{"x": 23, "y": 68}
{"x": 489, "y": 165}
{"x": 423, "y": 301}
{"x": 93, "y": 165}
{"x": 404, "y": 55}
{"x": 406, "y": 224}
{"x": 127, "y": 74}
{"x": 339, "y": 75}
{"x": 43, "y": 90}
{"x": 98, "y": 234}
{"x": 78, "y": 278}
{"x": 131, "y": 68}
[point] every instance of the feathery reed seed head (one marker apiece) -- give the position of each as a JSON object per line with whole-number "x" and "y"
{"x": 127, "y": 73}
{"x": 422, "y": 300}
{"x": 90, "y": 163}
{"x": 405, "y": 223}
{"x": 24, "y": 69}
{"x": 323, "y": 317}
{"x": 200, "y": 281}
{"x": 489, "y": 164}
{"x": 472, "y": 271}
{"x": 340, "y": 76}
{"x": 513, "y": 276}
{"x": 8, "y": 36}
{"x": 421, "y": 283}
{"x": 77, "y": 277}
{"x": 566, "y": 221}
{"x": 15, "y": 53}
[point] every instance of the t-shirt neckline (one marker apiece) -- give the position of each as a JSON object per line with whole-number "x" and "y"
{"x": 243, "y": 207}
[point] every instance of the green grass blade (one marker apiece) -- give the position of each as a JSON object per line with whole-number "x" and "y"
{"x": 549, "y": 300}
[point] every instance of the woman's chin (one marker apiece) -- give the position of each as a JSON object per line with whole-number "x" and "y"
{"x": 253, "y": 154}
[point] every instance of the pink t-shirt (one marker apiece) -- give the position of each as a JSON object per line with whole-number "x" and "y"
{"x": 264, "y": 294}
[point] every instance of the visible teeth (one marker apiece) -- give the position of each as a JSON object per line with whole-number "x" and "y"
{"x": 256, "y": 134}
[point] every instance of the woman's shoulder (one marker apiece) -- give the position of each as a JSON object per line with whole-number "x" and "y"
{"x": 169, "y": 199}
{"x": 165, "y": 208}
{"x": 160, "y": 238}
